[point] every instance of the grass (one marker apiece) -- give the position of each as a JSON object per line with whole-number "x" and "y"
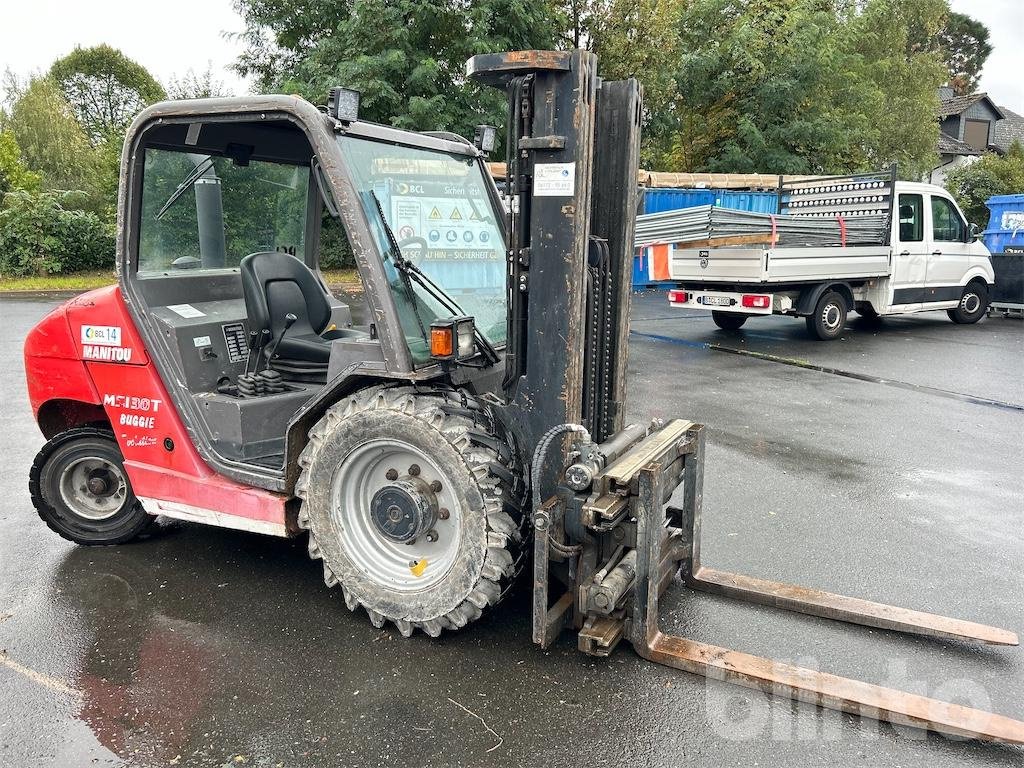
{"x": 86, "y": 281}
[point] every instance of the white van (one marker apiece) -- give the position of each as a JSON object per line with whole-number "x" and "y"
{"x": 933, "y": 260}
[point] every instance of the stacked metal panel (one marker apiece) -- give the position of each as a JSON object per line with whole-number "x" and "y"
{"x": 709, "y": 222}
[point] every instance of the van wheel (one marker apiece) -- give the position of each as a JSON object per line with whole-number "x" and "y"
{"x": 728, "y": 321}
{"x": 80, "y": 489}
{"x": 829, "y": 318}
{"x": 973, "y": 305}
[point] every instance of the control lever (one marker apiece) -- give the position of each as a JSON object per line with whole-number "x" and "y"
{"x": 289, "y": 321}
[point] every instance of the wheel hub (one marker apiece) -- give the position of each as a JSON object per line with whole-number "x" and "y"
{"x": 405, "y": 510}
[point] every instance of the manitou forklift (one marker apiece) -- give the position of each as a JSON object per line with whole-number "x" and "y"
{"x": 468, "y": 424}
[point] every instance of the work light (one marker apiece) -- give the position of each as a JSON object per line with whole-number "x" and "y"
{"x": 485, "y": 137}
{"x": 343, "y": 104}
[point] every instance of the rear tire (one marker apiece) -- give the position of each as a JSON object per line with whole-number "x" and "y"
{"x": 728, "y": 321}
{"x": 973, "y": 305}
{"x": 81, "y": 491}
{"x": 829, "y": 317}
{"x": 389, "y": 468}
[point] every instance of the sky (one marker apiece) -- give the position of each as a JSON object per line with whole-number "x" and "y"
{"x": 189, "y": 34}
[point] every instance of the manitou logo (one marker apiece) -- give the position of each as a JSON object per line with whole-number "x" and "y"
{"x": 112, "y": 354}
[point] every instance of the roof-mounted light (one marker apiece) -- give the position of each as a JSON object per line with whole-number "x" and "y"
{"x": 485, "y": 138}
{"x": 343, "y": 104}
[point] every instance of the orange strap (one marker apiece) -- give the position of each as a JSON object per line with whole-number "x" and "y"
{"x": 659, "y": 260}
{"x": 775, "y": 231}
{"x": 842, "y": 231}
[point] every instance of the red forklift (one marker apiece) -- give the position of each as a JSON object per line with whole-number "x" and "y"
{"x": 469, "y": 425}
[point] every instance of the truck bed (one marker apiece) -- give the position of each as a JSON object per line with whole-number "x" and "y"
{"x": 769, "y": 265}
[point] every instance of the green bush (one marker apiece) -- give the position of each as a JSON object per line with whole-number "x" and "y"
{"x": 335, "y": 251}
{"x": 39, "y": 236}
{"x": 975, "y": 183}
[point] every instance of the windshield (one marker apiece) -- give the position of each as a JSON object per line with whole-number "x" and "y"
{"x": 437, "y": 206}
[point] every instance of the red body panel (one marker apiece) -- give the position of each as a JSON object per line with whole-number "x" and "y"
{"x": 88, "y": 351}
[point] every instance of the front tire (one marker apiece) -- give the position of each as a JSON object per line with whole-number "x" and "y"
{"x": 728, "y": 321}
{"x": 412, "y": 501}
{"x": 81, "y": 491}
{"x": 829, "y": 317}
{"x": 973, "y": 305}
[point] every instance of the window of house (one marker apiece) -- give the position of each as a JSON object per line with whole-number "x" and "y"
{"x": 946, "y": 222}
{"x": 976, "y": 133}
{"x": 911, "y": 218}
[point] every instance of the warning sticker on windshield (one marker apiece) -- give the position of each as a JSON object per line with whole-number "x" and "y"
{"x": 450, "y": 221}
{"x": 554, "y": 179}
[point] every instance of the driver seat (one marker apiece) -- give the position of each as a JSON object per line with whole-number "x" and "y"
{"x": 275, "y": 284}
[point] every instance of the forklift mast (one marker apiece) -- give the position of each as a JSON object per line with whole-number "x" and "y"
{"x": 570, "y": 237}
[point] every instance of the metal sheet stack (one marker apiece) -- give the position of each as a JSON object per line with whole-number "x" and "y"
{"x": 709, "y": 222}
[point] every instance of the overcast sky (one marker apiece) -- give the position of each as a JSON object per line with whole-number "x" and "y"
{"x": 186, "y": 34}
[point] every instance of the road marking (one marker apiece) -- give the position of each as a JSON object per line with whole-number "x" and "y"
{"x": 806, "y": 365}
{"x": 39, "y": 677}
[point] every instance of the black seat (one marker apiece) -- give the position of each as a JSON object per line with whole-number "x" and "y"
{"x": 276, "y": 284}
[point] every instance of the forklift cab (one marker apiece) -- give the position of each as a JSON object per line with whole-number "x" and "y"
{"x": 231, "y": 205}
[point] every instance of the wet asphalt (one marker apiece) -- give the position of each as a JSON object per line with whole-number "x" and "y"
{"x": 891, "y": 472}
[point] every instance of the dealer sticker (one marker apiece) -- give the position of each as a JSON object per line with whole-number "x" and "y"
{"x": 554, "y": 179}
{"x": 102, "y": 335}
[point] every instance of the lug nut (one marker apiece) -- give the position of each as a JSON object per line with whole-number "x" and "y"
{"x": 431, "y": 536}
{"x": 392, "y": 475}
{"x": 435, "y": 486}
{"x": 414, "y": 470}
{"x": 443, "y": 513}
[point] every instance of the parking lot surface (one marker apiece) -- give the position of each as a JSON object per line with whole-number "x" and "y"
{"x": 886, "y": 465}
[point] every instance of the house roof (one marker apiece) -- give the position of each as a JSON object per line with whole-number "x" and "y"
{"x": 1008, "y": 130}
{"x": 949, "y": 145}
{"x": 955, "y": 105}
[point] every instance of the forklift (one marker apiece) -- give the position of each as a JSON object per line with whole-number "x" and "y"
{"x": 467, "y": 426}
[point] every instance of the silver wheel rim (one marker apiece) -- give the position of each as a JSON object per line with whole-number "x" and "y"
{"x": 970, "y": 303}
{"x": 831, "y": 317}
{"x": 93, "y": 488}
{"x": 403, "y": 567}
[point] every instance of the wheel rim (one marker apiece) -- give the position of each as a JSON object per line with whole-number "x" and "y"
{"x": 356, "y": 491}
{"x": 970, "y": 303}
{"x": 93, "y": 487}
{"x": 831, "y": 317}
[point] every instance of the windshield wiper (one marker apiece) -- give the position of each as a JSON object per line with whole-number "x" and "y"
{"x": 201, "y": 167}
{"x": 408, "y": 270}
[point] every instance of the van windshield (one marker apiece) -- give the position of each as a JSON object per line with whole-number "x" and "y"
{"x": 437, "y": 206}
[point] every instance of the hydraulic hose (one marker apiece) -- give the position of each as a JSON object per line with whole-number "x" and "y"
{"x": 539, "y": 454}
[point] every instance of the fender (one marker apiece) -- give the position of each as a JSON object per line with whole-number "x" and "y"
{"x": 809, "y": 297}
{"x": 977, "y": 271}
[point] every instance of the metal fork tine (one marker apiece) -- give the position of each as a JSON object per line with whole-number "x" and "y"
{"x": 841, "y": 608}
{"x": 830, "y": 691}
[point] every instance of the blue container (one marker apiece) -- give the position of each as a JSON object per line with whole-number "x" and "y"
{"x": 658, "y": 200}
{"x": 1006, "y": 223}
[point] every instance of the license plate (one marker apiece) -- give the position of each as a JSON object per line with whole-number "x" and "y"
{"x": 717, "y": 301}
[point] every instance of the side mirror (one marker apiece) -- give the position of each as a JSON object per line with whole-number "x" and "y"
{"x": 975, "y": 231}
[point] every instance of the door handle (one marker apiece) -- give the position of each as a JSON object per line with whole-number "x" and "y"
{"x": 904, "y": 253}
{"x": 936, "y": 253}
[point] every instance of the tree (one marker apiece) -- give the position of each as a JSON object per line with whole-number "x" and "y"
{"x": 963, "y": 43}
{"x": 13, "y": 173}
{"x": 990, "y": 175}
{"x": 768, "y": 86}
{"x": 904, "y": 75}
{"x": 51, "y": 141}
{"x": 193, "y": 86}
{"x": 406, "y": 57}
{"x": 105, "y": 89}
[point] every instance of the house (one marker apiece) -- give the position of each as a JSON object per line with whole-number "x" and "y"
{"x": 967, "y": 128}
{"x": 1009, "y": 130}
